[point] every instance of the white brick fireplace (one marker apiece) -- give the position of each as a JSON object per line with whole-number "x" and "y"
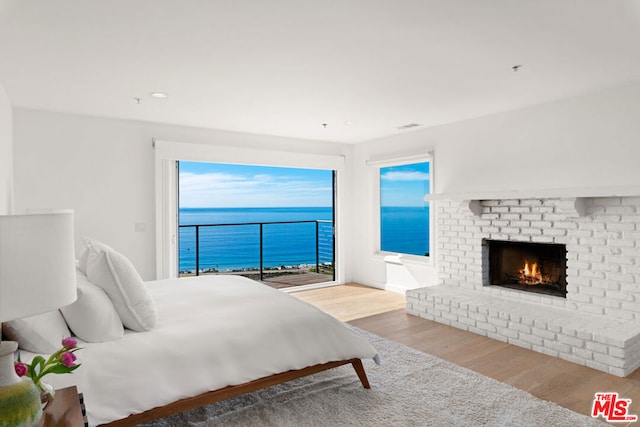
{"x": 596, "y": 325}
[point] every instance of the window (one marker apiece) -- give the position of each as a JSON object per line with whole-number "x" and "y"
{"x": 168, "y": 153}
{"x": 404, "y": 214}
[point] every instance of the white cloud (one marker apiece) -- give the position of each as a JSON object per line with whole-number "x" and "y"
{"x": 405, "y": 176}
{"x": 197, "y": 182}
{"x": 260, "y": 190}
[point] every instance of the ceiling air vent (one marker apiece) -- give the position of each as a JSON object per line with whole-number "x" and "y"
{"x": 408, "y": 126}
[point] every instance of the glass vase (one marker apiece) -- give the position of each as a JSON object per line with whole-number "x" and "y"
{"x": 19, "y": 403}
{"x": 47, "y": 393}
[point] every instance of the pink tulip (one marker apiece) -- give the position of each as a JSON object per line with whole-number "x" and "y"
{"x": 68, "y": 359}
{"x": 69, "y": 343}
{"x": 21, "y": 369}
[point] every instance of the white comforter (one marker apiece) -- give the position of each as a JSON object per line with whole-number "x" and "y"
{"x": 213, "y": 332}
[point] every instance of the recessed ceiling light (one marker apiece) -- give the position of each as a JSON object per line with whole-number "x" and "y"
{"x": 349, "y": 123}
{"x": 159, "y": 95}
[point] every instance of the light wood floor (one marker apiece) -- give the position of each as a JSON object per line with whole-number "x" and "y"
{"x": 548, "y": 378}
{"x": 352, "y": 301}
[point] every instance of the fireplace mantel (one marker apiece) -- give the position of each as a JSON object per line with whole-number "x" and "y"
{"x": 572, "y": 201}
{"x": 544, "y": 193}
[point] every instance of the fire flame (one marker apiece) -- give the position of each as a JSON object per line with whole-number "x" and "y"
{"x": 531, "y": 274}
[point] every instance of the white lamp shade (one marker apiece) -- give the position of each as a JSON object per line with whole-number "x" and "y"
{"x": 37, "y": 263}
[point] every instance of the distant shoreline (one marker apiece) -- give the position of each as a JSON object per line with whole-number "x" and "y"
{"x": 250, "y": 270}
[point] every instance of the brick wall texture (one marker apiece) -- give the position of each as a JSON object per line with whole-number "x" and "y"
{"x": 603, "y": 248}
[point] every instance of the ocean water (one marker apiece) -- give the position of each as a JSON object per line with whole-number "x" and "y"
{"x": 405, "y": 230}
{"x": 237, "y": 247}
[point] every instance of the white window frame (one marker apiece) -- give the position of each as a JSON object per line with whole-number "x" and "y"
{"x": 380, "y": 163}
{"x": 167, "y": 153}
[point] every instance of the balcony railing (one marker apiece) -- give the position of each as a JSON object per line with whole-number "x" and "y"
{"x": 279, "y": 247}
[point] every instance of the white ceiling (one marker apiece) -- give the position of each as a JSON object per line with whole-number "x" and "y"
{"x": 285, "y": 67}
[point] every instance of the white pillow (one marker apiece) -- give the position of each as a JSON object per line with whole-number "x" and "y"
{"x": 92, "y": 317}
{"x": 115, "y": 274}
{"x": 82, "y": 258}
{"x": 42, "y": 333}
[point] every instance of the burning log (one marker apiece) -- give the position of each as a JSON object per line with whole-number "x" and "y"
{"x": 531, "y": 275}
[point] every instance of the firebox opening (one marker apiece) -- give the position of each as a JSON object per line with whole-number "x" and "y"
{"x": 531, "y": 267}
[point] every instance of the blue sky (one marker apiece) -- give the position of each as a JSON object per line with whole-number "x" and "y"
{"x": 217, "y": 185}
{"x": 404, "y": 185}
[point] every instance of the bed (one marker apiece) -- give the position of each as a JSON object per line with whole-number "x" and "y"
{"x": 215, "y": 337}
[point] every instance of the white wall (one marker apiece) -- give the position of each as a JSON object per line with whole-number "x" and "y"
{"x": 587, "y": 141}
{"x": 104, "y": 170}
{"x": 6, "y": 152}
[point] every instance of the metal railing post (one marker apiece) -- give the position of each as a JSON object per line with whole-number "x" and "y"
{"x": 261, "y": 256}
{"x": 333, "y": 250}
{"x": 197, "y": 250}
{"x": 317, "y": 247}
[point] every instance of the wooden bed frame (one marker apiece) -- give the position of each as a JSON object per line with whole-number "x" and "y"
{"x": 233, "y": 391}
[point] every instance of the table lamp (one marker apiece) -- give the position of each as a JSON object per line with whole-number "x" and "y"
{"x": 37, "y": 275}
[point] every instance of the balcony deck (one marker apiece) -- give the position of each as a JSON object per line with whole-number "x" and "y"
{"x": 291, "y": 280}
{"x": 279, "y": 281}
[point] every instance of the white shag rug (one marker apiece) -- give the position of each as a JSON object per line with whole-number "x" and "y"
{"x": 410, "y": 388}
